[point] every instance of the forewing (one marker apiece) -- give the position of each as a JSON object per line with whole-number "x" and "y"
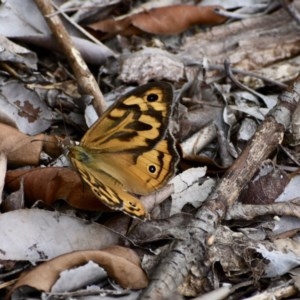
{"x": 136, "y": 122}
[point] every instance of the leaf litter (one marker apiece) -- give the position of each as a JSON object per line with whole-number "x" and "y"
{"x": 214, "y": 120}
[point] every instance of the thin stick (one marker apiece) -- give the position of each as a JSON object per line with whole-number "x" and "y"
{"x": 87, "y": 83}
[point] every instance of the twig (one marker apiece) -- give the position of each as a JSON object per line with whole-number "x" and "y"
{"x": 290, "y": 156}
{"x": 248, "y": 73}
{"x": 191, "y": 252}
{"x": 78, "y": 27}
{"x": 248, "y": 212}
{"x": 242, "y": 86}
{"x": 87, "y": 83}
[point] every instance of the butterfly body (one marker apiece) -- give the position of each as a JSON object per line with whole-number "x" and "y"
{"x": 129, "y": 150}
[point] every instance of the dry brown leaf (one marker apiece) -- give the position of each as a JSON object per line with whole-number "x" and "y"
{"x": 266, "y": 186}
{"x": 19, "y": 147}
{"x": 22, "y": 149}
{"x": 163, "y": 20}
{"x": 52, "y": 184}
{"x": 120, "y": 263}
{"x": 175, "y": 19}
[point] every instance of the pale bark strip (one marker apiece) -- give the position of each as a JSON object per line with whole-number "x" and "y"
{"x": 248, "y": 212}
{"x": 191, "y": 251}
{"x": 87, "y": 83}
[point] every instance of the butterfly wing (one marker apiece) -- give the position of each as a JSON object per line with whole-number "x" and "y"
{"x": 137, "y": 122}
{"x": 141, "y": 173}
{"x": 128, "y": 149}
{"x": 110, "y": 192}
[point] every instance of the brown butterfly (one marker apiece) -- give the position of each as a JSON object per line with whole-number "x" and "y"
{"x": 129, "y": 149}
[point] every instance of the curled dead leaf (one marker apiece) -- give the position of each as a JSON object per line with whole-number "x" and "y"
{"x": 120, "y": 263}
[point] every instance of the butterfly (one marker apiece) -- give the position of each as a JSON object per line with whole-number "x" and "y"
{"x": 129, "y": 150}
